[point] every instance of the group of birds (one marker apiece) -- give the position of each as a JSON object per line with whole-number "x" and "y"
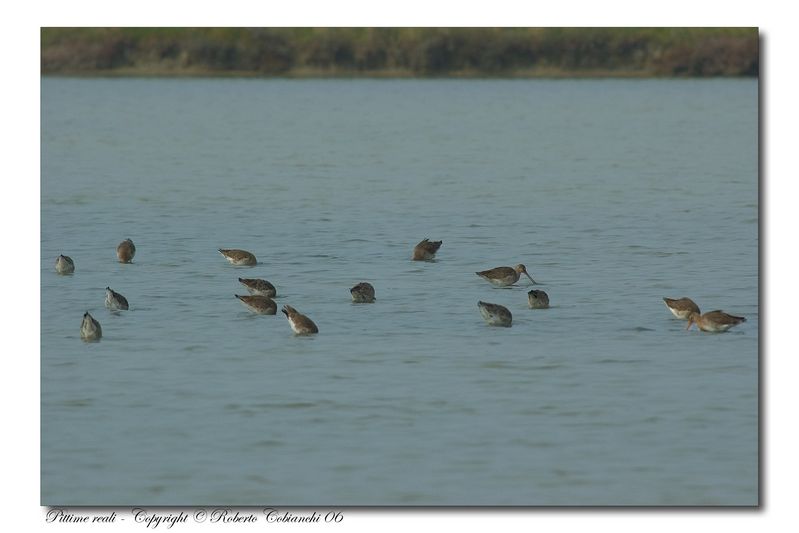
{"x": 259, "y": 300}
{"x": 503, "y": 276}
{"x": 90, "y": 329}
{"x": 261, "y": 291}
{"x": 261, "y": 294}
{"x": 713, "y": 321}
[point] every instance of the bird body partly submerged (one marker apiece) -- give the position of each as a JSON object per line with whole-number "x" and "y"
{"x": 504, "y": 276}
{"x": 114, "y": 300}
{"x": 125, "y": 251}
{"x": 90, "y": 329}
{"x": 538, "y": 299}
{"x": 714, "y": 321}
{"x": 263, "y": 305}
{"x": 426, "y": 250}
{"x": 681, "y": 307}
{"x": 239, "y": 257}
{"x": 64, "y": 265}
{"x": 300, "y": 324}
{"x": 363, "y": 293}
{"x": 495, "y": 314}
{"x": 259, "y": 287}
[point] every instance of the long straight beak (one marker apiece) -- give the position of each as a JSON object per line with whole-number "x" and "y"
{"x": 531, "y": 279}
{"x": 690, "y": 323}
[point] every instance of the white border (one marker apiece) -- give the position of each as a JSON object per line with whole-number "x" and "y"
{"x": 21, "y": 237}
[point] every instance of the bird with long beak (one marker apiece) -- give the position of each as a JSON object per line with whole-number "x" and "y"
{"x": 504, "y": 276}
{"x": 714, "y": 321}
{"x": 300, "y": 324}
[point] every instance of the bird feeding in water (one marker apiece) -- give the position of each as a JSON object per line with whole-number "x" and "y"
{"x": 538, "y": 299}
{"x": 363, "y": 293}
{"x": 426, "y": 250}
{"x": 114, "y": 300}
{"x": 125, "y": 251}
{"x": 263, "y": 305}
{"x": 300, "y": 324}
{"x": 495, "y": 314}
{"x": 682, "y": 308}
{"x": 714, "y": 321}
{"x": 259, "y": 287}
{"x": 239, "y": 257}
{"x": 64, "y": 265}
{"x": 90, "y": 329}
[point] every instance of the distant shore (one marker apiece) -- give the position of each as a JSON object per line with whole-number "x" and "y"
{"x": 401, "y": 52}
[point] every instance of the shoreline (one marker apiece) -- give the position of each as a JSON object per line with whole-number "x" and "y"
{"x": 398, "y": 53}
{"x": 310, "y": 74}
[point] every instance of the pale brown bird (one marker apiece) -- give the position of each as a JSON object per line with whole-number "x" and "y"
{"x": 239, "y": 257}
{"x": 301, "y": 324}
{"x": 426, "y": 250}
{"x": 125, "y": 251}
{"x": 263, "y": 305}
{"x": 504, "y": 275}
{"x": 495, "y": 314}
{"x": 90, "y": 329}
{"x": 682, "y": 307}
{"x": 714, "y": 321}
{"x": 64, "y": 265}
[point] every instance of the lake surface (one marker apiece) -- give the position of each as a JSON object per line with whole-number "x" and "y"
{"x": 613, "y": 193}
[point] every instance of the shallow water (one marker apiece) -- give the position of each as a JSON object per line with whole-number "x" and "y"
{"x": 614, "y": 194}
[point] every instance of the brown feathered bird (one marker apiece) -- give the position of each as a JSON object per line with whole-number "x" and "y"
{"x": 301, "y": 324}
{"x": 504, "y": 276}
{"x": 714, "y": 321}
{"x": 426, "y": 250}
{"x": 681, "y": 307}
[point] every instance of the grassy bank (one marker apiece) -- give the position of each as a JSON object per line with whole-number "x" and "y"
{"x": 401, "y": 52}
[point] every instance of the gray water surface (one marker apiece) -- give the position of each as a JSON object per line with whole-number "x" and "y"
{"x": 614, "y": 194}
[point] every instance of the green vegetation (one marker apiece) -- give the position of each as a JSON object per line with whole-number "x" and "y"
{"x": 401, "y": 52}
